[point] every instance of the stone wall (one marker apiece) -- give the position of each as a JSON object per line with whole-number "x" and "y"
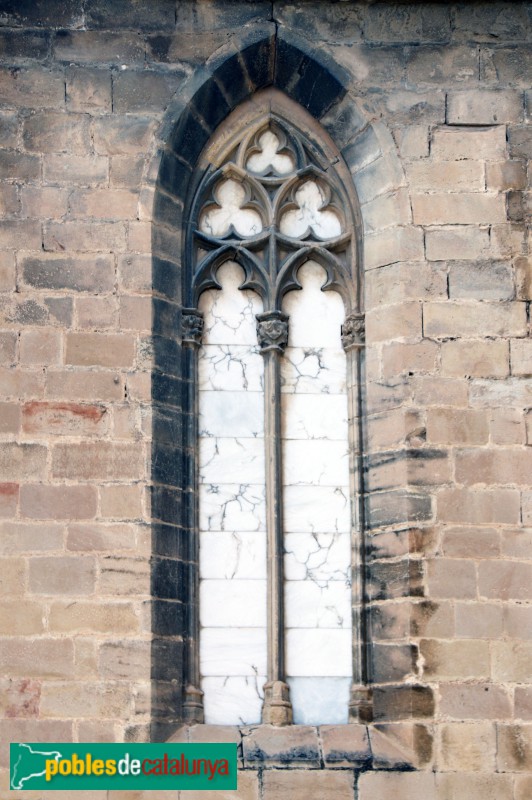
{"x": 432, "y": 122}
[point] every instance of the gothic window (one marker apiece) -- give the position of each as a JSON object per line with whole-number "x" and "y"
{"x": 273, "y": 331}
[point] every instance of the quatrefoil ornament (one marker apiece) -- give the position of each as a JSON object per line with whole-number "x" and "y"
{"x": 231, "y": 210}
{"x": 310, "y": 213}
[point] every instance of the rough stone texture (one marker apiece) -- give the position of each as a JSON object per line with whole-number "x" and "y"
{"x": 433, "y": 119}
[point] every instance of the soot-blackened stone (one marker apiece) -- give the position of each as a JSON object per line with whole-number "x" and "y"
{"x": 167, "y": 659}
{"x": 166, "y": 278}
{"x": 210, "y": 104}
{"x": 169, "y": 579}
{"x": 166, "y": 467}
{"x": 165, "y": 318}
{"x": 166, "y": 504}
{"x": 170, "y": 541}
{"x": 189, "y": 137}
{"x": 167, "y": 390}
{"x": 168, "y": 618}
{"x": 307, "y": 81}
{"x": 174, "y": 175}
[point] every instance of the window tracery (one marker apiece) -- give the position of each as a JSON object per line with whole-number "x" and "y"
{"x": 271, "y": 201}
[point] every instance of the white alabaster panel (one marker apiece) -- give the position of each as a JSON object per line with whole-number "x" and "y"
{"x": 233, "y": 603}
{"x": 269, "y": 156}
{"x": 230, "y": 314}
{"x": 313, "y": 370}
{"x": 231, "y": 458}
{"x": 311, "y": 214}
{"x": 237, "y": 414}
{"x": 315, "y": 316}
{"x": 228, "y": 212}
{"x": 231, "y": 499}
{"x": 316, "y": 509}
{"x": 315, "y": 416}
{"x": 233, "y": 700}
{"x": 318, "y": 652}
{"x": 319, "y": 701}
{"x": 232, "y": 507}
{"x": 309, "y": 605}
{"x": 232, "y": 651}
{"x": 234, "y": 368}
{"x": 319, "y": 557}
{"x": 229, "y": 555}
{"x": 318, "y": 462}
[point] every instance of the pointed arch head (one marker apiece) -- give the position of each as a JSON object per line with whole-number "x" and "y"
{"x": 306, "y": 80}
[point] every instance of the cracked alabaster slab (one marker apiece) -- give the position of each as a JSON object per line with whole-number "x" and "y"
{"x": 318, "y": 557}
{"x": 315, "y": 416}
{"x": 231, "y": 414}
{"x": 321, "y": 509}
{"x": 232, "y": 507}
{"x": 309, "y": 605}
{"x": 230, "y": 368}
{"x": 230, "y": 314}
{"x": 233, "y": 700}
{"x": 232, "y": 459}
{"x": 308, "y": 307}
{"x": 313, "y": 370}
{"x": 239, "y": 651}
{"x": 230, "y": 555}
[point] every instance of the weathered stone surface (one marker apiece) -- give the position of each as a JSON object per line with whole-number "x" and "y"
{"x": 402, "y": 702}
{"x": 514, "y": 752}
{"x": 105, "y": 460}
{"x": 479, "y": 359}
{"x": 448, "y": 320}
{"x": 295, "y": 745}
{"x": 484, "y": 107}
{"x": 478, "y": 620}
{"x": 399, "y": 785}
{"x": 475, "y": 701}
{"x": 468, "y": 746}
{"x": 455, "y": 659}
{"x": 39, "y": 501}
{"x": 479, "y": 506}
{"x": 402, "y": 746}
{"x": 345, "y": 745}
{"x": 300, "y": 784}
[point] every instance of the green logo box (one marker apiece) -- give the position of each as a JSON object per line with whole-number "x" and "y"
{"x": 41, "y": 765}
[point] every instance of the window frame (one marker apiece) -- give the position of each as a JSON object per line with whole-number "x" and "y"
{"x": 271, "y": 107}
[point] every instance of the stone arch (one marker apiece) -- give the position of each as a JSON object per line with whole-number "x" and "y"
{"x": 259, "y": 59}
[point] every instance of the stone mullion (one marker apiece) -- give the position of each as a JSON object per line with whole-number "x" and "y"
{"x": 272, "y": 330}
{"x": 192, "y": 329}
{"x": 353, "y": 340}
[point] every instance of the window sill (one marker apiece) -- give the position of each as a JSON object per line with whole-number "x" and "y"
{"x": 396, "y": 745}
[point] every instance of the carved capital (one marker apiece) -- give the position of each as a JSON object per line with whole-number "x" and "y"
{"x": 354, "y": 331}
{"x": 191, "y": 326}
{"x": 272, "y": 331}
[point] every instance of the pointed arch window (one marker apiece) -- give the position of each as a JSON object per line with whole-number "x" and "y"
{"x": 273, "y": 331}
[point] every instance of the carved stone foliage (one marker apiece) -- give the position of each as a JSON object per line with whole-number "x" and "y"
{"x": 354, "y": 331}
{"x": 272, "y": 331}
{"x": 191, "y": 326}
